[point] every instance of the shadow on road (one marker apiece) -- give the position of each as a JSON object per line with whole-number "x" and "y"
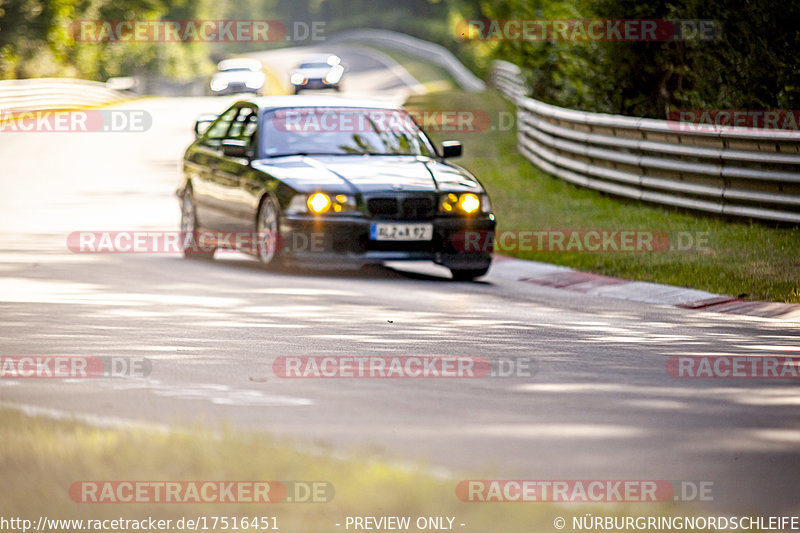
{"x": 369, "y": 271}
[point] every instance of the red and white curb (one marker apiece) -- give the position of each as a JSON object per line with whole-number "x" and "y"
{"x": 560, "y": 277}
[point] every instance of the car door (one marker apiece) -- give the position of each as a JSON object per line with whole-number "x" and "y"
{"x": 202, "y": 164}
{"x": 233, "y": 171}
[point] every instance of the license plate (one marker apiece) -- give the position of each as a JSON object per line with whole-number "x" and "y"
{"x": 401, "y": 232}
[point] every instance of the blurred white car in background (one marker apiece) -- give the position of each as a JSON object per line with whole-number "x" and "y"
{"x": 240, "y": 75}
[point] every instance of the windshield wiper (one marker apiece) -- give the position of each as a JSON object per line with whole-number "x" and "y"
{"x": 383, "y": 153}
{"x": 300, "y": 153}
{"x": 332, "y": 153}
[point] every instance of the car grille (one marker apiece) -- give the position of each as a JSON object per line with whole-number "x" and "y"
{"x": 402, "y": 207}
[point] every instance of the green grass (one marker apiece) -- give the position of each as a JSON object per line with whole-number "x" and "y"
{"x": 41, "y": 458}
{"x": 741, "y": 258}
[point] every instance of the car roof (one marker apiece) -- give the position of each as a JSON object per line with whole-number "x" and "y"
{"x": 278, "y": 102}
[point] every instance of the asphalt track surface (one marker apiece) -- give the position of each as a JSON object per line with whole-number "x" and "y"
{"x": 600, "y": 404}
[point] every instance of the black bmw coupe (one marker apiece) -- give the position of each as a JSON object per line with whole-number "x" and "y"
{"x": 332, "y": 182}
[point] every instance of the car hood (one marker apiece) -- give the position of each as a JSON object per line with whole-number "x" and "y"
{"x": 368, "y": 174}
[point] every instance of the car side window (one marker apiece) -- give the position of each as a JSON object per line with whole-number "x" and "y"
{"x": 218, "y": 130}
{"x": 244, "y": 125}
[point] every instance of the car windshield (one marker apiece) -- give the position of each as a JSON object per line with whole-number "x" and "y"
{"x": 341, "y": 131}
{"x": 315, "y": 65}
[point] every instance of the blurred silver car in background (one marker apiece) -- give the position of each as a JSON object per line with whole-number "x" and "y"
{"x": 322, "y": 71}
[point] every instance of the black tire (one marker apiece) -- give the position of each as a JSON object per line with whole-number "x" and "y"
{"x": 268, "y": 250}
{"x": 468, "y": 274}
{"x": 192, "y": 249}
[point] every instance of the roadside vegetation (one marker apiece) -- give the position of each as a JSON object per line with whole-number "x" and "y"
{"x": 746, "y": 62}
{"x": 41, "y": 458}
{"x": 65, "y": 38}
{"x": 753, "y": 260}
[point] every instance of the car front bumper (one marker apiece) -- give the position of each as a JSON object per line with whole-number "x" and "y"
{"x": 343, "y": 240}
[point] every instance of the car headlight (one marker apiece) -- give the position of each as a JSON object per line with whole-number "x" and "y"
{"x": 343, "y": 202}
{"x": 334, "y": 75}
{"x": 319, "y": 202}
{"x": 254, "y": 83}
{"x": 298, "y": 79}
{"x": 218, "y": 85}
{"x": 465, "y": 203}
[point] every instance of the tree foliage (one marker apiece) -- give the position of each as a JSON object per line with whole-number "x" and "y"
{"x": 750, "y": 65}
{"x": 38, "y": 37}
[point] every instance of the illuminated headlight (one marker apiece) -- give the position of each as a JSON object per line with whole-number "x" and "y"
{"x": 334, "y": 75}
{"x": 319, "y": 203}
{"x": 343, "y": 202}
{"x": 254, "y": 83}
{"x": 298, "y": 79}
{"x": 218, "y": 84}
{"x": 466, "y": 203}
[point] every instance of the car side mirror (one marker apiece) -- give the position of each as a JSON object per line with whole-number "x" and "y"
{"x": 235, "y": 148}
{"x": 451, "y": 149}
{"x": 202, "y": 123}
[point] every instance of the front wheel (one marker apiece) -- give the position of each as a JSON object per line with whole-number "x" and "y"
{"x": 268, "y": 230}
{"x": 468, "y": 274}
{"x": 193, "y": 248}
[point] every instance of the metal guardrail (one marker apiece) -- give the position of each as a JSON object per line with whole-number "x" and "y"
{"x": 55, "y": 93}
{"x": 740, "y": 172}
{"x": 431, "y": 52}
